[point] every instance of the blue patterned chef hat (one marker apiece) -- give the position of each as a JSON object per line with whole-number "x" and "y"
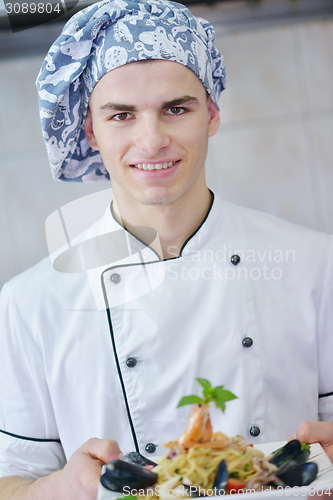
{"x": 100, "y": 38}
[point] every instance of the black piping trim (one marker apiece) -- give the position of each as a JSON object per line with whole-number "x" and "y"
{"x": 199, "y": 227}
{"x": 30, "y": 438}
{"x": 325, "y": 395}
{"x": 109, "y": 313}
{"x": 132, "y": 234}
{"x": 121, "y": 378}
{"x": 185, "y": 242}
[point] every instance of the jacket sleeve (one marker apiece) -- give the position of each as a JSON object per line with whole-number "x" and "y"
{"x": 325, "y": 343}
{"x": 29, "y": 442}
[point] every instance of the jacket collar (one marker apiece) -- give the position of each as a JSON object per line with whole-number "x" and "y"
{"x": 197, "y": 240}
{"x": 132, "y": 251}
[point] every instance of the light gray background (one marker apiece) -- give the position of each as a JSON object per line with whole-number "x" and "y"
{"x": 273, "y": 151}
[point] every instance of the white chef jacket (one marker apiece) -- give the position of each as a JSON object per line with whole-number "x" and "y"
{"x": 110, "y": 351}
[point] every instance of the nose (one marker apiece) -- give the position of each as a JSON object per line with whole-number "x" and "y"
{"x": 151, "y": 135}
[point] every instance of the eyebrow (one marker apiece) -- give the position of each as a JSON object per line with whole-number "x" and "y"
{"x": 186, "y": 99}
{"x": 111, "y": 106}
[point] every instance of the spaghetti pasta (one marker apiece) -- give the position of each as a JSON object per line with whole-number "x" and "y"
{"x": 197, "y": 466}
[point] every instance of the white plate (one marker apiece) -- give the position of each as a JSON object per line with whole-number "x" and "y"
{"x": 322, "y": 483}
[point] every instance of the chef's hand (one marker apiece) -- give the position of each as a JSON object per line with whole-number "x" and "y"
{"x": 316, "y": 432}
{"x": 80, "y": 477}
{"x": 78, "y": 480}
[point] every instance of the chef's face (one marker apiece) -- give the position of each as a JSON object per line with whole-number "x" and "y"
{"x": 151, "y": 124}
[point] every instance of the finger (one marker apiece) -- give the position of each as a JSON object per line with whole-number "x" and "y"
{"x": 105, "y": 450}
{"x": 314, "y": 432}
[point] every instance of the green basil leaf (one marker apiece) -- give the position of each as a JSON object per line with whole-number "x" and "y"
{"x": 220, "y": 404}
{"x": 189, "y": 400}
{"x": 205, "y": 383}
{"x": 208, "y": 395}
{"x": 226, "y": 395}
{"x": 218, "y": 395}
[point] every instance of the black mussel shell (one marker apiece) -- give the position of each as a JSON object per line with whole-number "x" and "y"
{"x": 192, "y": 491}
{"x": 221, "y": 478}
{"x": 291, "y": 451}
{"x": 302, "y": 456}
{"x": 119, "y": 474}
{"x": 309, "y": 473}
{"x": 136, "y": 458}
{"x": 290, "y": 473}
{"x": 293, "y": 474}
{"x": 220, "y": 483}
{"x": 288, "y": 451}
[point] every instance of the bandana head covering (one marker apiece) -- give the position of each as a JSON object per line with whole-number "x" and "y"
{"x": 100, "y": 38}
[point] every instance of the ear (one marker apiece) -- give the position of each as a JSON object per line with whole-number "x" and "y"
{"x": 214, "y": 118}
{"x": 89, "y": 131}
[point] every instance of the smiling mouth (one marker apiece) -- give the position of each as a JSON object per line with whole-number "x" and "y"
{"x": 154, "y": 166}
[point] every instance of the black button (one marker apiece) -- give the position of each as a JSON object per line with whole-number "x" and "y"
{"x": 247, "y": 342}
{"x": 150, "y": 448}
{"x": 235, "y": 259}
{"x": 254, "y": 431}
{"x": 131, "y": 362}
{"x": 115, "y": 278}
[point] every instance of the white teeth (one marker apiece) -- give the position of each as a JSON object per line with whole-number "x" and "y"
{"x": 154, "y": 166}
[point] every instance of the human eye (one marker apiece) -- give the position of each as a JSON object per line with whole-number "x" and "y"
{"x": 121, "y": 117}
{"x": 176, "y": 110}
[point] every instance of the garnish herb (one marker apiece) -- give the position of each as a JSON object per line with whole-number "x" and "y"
{"x": 304, "y": 447}
{"x": 233, "y": 474}
{"x": 217, "y": 395}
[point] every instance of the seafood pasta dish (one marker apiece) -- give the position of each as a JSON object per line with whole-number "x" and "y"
{"x": 194, "y": 461}
{"x": 203, "y": 463}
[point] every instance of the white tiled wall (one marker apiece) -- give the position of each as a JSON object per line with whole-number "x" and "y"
{"x": 273, "y": 151}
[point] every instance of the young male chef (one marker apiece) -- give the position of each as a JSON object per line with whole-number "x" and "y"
{"x": 170, "y": 285}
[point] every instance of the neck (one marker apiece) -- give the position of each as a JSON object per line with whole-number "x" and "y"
{"x": 174, "y": 222}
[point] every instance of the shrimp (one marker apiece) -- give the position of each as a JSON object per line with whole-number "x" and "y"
{"x": 199, "y": 433}
{"x": 199, "y": 428}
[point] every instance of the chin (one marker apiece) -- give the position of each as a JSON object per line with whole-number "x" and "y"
{"x": 159, "y": 199}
